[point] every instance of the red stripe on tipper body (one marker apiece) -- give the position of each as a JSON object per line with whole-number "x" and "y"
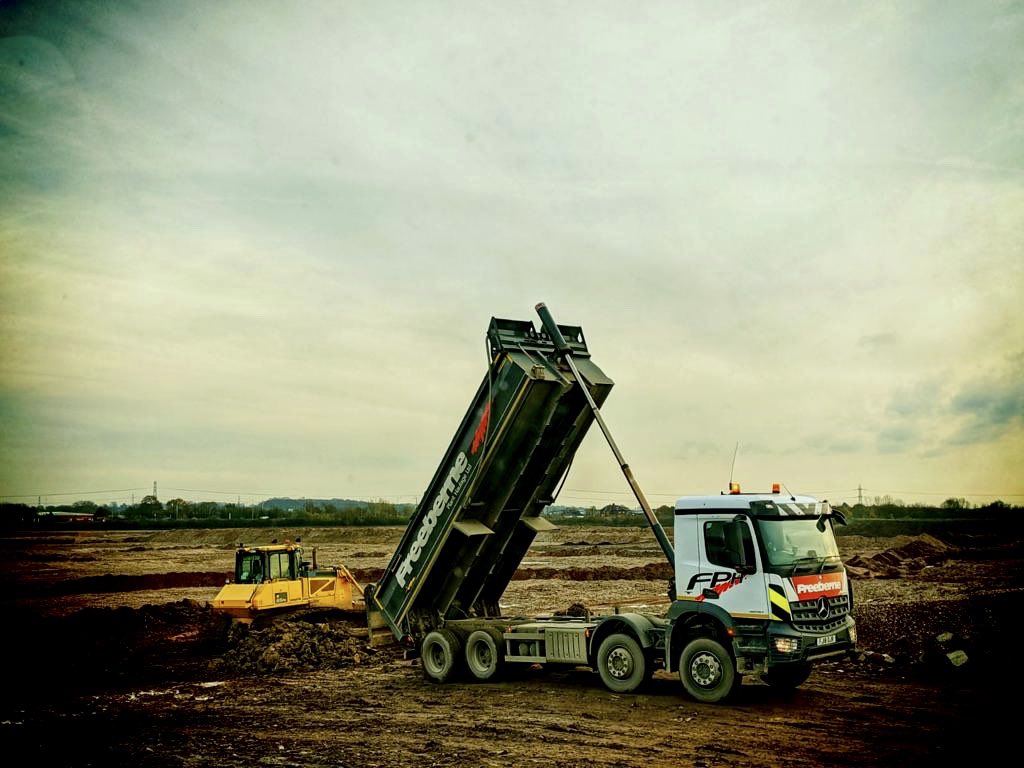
{"x": 481, "y": 429}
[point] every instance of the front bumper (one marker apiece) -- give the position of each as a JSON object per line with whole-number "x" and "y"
{"x": 788, "y": 645}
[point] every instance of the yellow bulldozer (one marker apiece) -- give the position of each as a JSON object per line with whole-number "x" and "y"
{"x": 274, "y": 579}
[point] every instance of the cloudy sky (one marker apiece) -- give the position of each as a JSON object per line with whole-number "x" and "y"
{"x": 254, "y": 247}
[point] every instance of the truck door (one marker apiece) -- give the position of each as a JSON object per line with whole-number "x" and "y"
{"x": 730, "y": 573}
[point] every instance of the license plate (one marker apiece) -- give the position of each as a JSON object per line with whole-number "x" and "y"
{"x": 826, "y": 640}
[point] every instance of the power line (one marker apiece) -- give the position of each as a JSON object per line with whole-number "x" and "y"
{"x": 223, "y": 493}
{"x": 944, "y": 493}
{"x": 290, "y": 496}
{"x": 69, "y": 493}
{"x": 619, "y": 493}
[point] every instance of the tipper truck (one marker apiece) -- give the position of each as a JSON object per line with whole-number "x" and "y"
{"x": 758, "y": 588}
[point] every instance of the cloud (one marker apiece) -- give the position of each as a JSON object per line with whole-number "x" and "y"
{"x": 838, "y": 443}
{"x": 878, "y": 340}
{"x": 898, "y": 439}
{"x": 292, "y": 222}
{"x": 29, "y": 64}
{"x": 924, "y": 399}
{"x": 989, "y": 407}
{"x": 948, "y": 410}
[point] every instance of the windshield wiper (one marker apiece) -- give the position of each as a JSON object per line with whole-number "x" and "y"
{"x": 797, "y": 562}
{"x": 826, "y": 561}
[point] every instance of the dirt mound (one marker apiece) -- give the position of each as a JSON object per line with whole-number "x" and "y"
{"x": 933, "y": 635}
{"x": 907, "y": 558}
{"x": 915, "y": 554}
{"x": 290, "y": 646}
{"x": 367, "y": 575}
{"x": 115, "y": 645}
{"x": 184, "y": 640}
{"x": 578, "y": 610}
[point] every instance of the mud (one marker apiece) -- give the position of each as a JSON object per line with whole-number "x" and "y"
{"x": 118, "y": 659}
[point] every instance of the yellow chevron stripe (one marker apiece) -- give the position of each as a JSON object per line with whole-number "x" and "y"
{"x": 780, "y": 606}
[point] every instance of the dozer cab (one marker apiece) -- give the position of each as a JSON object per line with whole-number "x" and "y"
{"x": 274, "y": 579}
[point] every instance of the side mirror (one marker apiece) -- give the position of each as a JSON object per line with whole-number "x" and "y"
{"x": 839, "y": 517}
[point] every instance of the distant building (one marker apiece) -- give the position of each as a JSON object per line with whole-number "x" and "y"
{"x": 68, "y": 517}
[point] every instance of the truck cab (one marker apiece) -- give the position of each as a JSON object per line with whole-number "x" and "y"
{"x": 254, "y": 565}
{"x": 759, "y": 574}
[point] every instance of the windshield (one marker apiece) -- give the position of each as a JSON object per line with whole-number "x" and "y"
{"x": 249, "y": 569}
{"x": 796, "y": 540}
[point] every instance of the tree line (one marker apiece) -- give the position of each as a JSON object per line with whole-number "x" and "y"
{"x": 178, "y": 512}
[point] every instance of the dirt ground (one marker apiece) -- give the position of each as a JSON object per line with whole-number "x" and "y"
{"x": 117, "y": 659}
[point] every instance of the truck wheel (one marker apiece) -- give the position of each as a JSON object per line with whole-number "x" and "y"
{"x": 485, "y": 654}
{"x": 621, "y": 663}
{"x": 788, "y": 677}
{"x": 439, "y": 655}
{"x": 706, "y": 670}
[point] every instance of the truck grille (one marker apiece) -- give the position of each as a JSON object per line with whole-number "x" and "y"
{"x": 821, "y": 614}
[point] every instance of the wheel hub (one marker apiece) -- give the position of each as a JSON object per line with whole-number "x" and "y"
{"x": 620, "y": 663}
{"x": 705, "y": 669}
{"x": 437, "y": 656}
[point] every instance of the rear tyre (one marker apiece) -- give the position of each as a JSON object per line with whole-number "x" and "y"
{"x": 485, "y": 654}
{"x": 706, "y": 670}
{"x": 621, "y": 663}
{"x": 440, "y": 655}
{"x": 788, "y": 677}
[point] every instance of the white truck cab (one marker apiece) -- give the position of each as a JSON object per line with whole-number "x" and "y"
{"x": 760, "y": 576}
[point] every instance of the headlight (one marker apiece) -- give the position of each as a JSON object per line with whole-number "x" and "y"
{"x": 853, "y": 634}
{"x": 787, "y": 644}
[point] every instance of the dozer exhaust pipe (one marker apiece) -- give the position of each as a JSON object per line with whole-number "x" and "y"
{"x": 563, "y": 350}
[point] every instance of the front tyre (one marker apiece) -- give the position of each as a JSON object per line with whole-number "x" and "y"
{"x": 440, "y": 655}
{"x": 621, "y": 663}
{"x": 706, "y": 670}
